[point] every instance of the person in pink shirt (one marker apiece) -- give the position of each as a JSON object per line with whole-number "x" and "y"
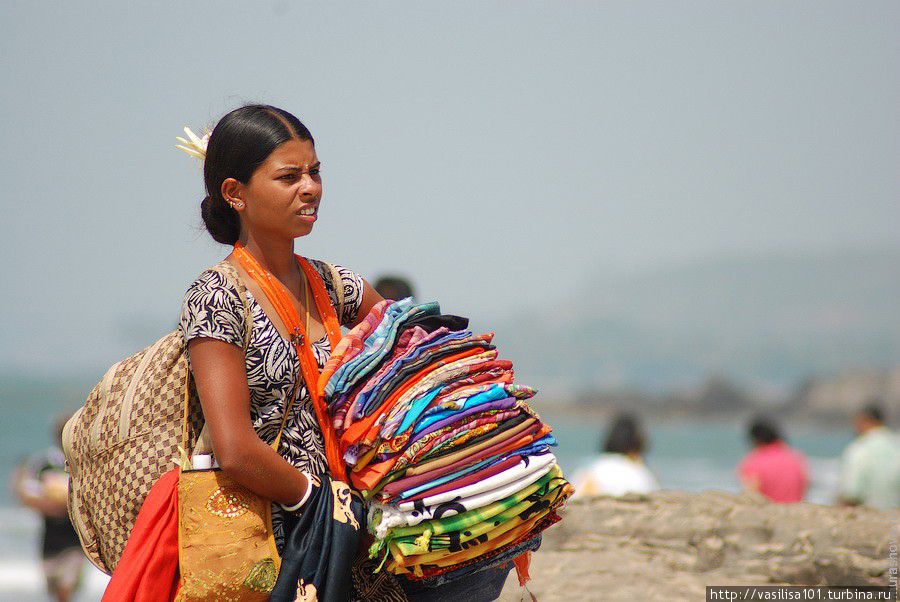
{"x": 772, "y": 467}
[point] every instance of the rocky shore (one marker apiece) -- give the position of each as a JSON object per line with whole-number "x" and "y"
{"x": 670, "y": 545}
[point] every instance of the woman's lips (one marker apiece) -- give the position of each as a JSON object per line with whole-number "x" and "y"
{"x": 309, "y": 217}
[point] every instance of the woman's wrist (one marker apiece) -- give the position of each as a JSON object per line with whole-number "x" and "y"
{"x": 305, "y": 497}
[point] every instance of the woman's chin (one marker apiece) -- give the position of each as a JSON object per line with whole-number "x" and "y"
{"x": 298, "y": 232}
{"x": 302, "y": 225}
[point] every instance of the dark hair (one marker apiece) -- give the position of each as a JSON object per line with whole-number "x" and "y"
{"x": 241, "y": 142}
{"x": 763, "y": 430}
{"x": 394, "y": 287}
{"x": 873, "y": 411}
{"x": 624, "y": 436}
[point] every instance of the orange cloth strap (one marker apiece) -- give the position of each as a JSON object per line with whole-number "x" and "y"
{"x": 280, "y": 299}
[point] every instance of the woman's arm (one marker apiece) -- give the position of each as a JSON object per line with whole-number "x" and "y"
{"x": 369, "y": 299}
{"x": 219, "y": 373}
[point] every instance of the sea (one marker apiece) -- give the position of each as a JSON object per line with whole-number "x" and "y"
{"x": 687, "y": 455}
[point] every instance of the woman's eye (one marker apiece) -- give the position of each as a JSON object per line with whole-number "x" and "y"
{"x": 290, "y": 176}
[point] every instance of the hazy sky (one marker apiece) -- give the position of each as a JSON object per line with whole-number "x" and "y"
{"x": 496, "y": 152}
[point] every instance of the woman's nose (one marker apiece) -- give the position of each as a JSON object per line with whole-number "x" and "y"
{"x": 308, "y": 185}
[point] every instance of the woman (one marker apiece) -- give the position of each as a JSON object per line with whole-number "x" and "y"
{"x": 264, "y": 189}
{"x": 773, "y": 468}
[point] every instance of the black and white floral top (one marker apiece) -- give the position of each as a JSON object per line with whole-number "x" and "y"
{"x": 212, "y": 308}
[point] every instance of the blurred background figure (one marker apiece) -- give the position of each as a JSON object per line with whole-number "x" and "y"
{"x": 773, "y": 468}
{"x": 870, "y": 466}
{"x": 620, "y": 469}
{"x": 41, "y": 483}
{"x": 394, "y": 287}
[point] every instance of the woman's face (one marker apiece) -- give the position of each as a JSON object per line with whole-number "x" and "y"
{"x": 283, "y": 194}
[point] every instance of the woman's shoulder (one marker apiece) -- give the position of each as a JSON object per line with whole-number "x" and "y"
{"x": 212, "y": 307}
{"x": 212, "y": 278}
{"x": 216, "y": 285}
{"x": 324, "y": 266}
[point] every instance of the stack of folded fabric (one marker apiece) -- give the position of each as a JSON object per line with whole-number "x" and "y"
{"x": 441, "y": 441}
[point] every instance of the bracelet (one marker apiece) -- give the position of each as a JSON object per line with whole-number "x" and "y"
{"x": 305, "y": 497}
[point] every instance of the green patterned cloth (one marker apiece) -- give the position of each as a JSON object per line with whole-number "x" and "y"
{"x": 442, "y": 533}
{"x": 455, "y": 541}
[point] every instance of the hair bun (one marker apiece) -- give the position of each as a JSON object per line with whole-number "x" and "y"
{"x": 221, "y": 221}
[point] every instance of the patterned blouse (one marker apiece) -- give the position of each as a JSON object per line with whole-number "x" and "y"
{"x": 212, "y": 308}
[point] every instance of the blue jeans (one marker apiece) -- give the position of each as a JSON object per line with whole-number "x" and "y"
{"x": 483, "y": 586}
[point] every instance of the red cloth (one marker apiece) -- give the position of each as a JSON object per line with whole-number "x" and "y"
{"x": 778, "y": 471}
{"x": 148, "y": 569}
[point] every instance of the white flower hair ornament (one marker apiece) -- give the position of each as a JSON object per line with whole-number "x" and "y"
{"x": 194, "y": 146}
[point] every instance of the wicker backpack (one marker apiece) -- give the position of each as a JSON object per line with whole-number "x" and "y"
{"x": 126, "y": 435}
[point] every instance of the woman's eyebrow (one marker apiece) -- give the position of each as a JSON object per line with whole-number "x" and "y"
{"x": 284, "y": 167}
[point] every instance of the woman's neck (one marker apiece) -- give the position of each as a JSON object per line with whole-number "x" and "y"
{"x": 275, "y": 255}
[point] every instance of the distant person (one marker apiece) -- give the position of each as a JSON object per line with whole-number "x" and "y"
{"x": 394, "y": 287}
{"x": 870, "y": 466}
{"x": 620, "y": 469}
{"x": 41, "y": 483}
{"x": 773, "y": 468}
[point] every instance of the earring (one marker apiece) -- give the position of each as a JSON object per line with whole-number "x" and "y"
{"x": 236, "y": 204}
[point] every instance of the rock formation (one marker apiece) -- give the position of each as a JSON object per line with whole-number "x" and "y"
{"x": 670, "y": 545}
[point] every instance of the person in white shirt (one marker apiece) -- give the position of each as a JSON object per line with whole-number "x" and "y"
{"x": 870, "y": 466}
{"x": 620, "y": 469}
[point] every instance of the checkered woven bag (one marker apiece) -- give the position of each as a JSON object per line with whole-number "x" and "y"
{"x": 126, "y": 436}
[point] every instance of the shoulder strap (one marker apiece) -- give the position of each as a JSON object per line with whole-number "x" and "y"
{"x": 230, "y": 274}
{"x": 224, "y": 267}
{"x": 338, "y": 286}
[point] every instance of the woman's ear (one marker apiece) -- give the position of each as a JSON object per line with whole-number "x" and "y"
{"x": 232, "y": 191}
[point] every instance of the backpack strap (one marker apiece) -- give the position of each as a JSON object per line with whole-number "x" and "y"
{"x": 224, "y": 267}
{"x": 230, "y": 274}
{"x": 338, "y": 286}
